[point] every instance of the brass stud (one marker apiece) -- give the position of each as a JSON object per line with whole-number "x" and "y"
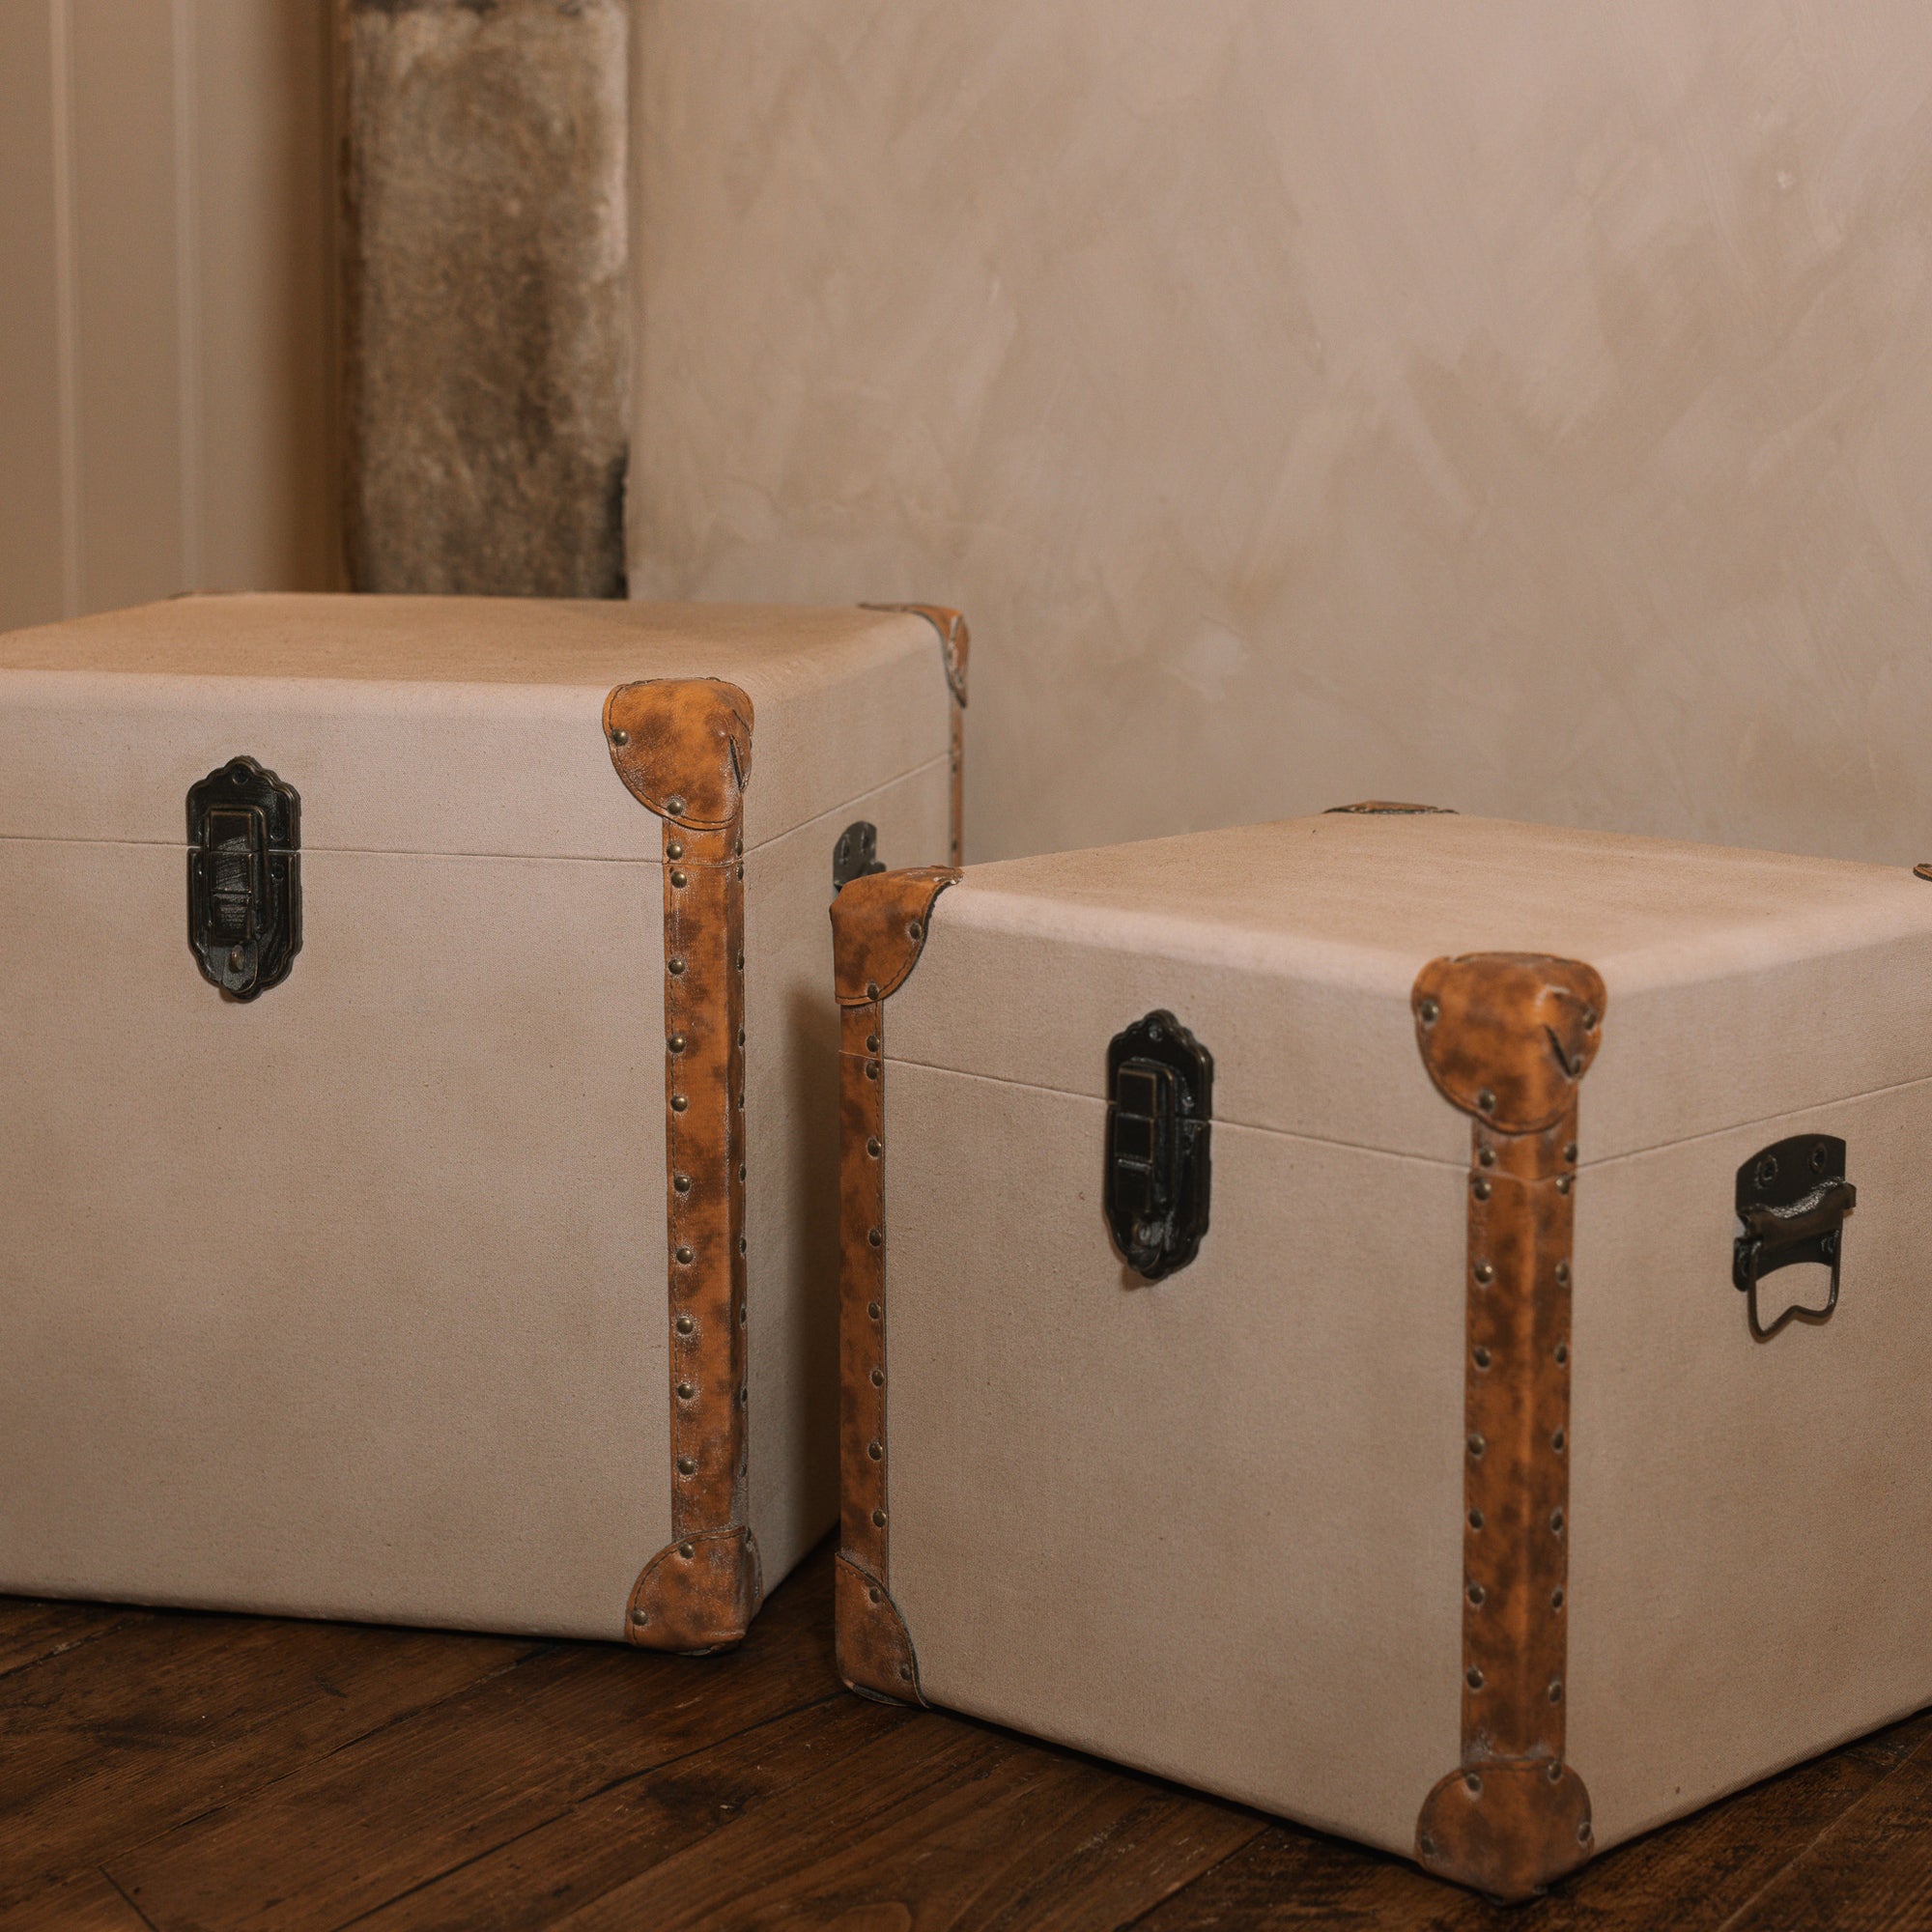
{"x": 741, "y": 1171}
{"x": 1562, "y": 1274}
{"x": 871, "y": 1593}
{"x": 878, "y": 1378}
{"x": 619, "y": 737}
{"x": 872, "y": 989}
{"x": 877, "y": 1237}
{"x": 237, "y": 958}
{"x": 1562, "y": 1356}
{"x": 875, "y": 1146}
{"x": 1475, "y": 1519}
{"x": 679, "y": 881}
{"x": 874, "y": 1310}
{"x": 1583, "y": 1832}
{"x": 1570, "y": 1152}
{"x": 1556, "y": 1523}
{"x": 872, "y": 1043}
{"x": 1480, "y": 1188}
{"x": 685, "y": 1391}
{"x": 640, "y": 1618}
{"x": 1556, "y": 1441}
{"x": 1485, "y": 1273}
{"x": 1486, "y": 1157}
{"x": 878, "y": 1519}
{"x": 914, "y": 930}
{"x": 741, "y": 1244}
{"x": 1477, "y": 1595}
{"x": 687, "y": 1550}
{"x": 1427, "y": 1011}
{"x": 685, "y": 1325}
{"x": 1471, "y": 1779}
{"x": 1589, "y": 1020}
{"x": 1476, "y": 1447}
{"x": 684, "y": 1257}
{"x": 1485, "y": 1101}
{"x": 1473, "y": 1678}
{"x": 1425, "y": 1844}
{"x": 741, "y": 962}
{"x": 682, "y": 1183}
{"x": 674, "y": 851}
{"x": 1556, "y": 1691}
{"x": 741, "y": 1036}
{"x": 687, "y": 1465}
{"x": 673, "y": 804}
{"x": 875, "y": 1450}
{"x": 1563, "y": 1183}
{"x": 871, "y": 1070}
{"x": 675, "y": 1043}
{"x": 1482, "y": 1358}
{"x": 678, "y": 1103}
{"x": 1554, "y": 1774}
{"x": 1556, "y": 1600}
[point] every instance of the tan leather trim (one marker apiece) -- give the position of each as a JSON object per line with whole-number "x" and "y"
{"x": 1513, "y": 1033}
{"x": 686, "y": 752}
{"x": 878, "y": 930}
{"x": 683, "y": 747}
{"x": 697, "y": 1595}
{"x": 878, "y": 925}
{"x": 875, "y": 1653}
{"x": 955, "y": 645}
{"x": 1508, "y": 1036}
{"x": 1388, "y": 807}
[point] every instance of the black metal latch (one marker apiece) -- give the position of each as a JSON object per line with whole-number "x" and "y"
{"x": 1160, "y": 1080}
{"x": 856, "y": 855}
{"x": 1792, "y": 1199}
{"x": 244, "y": 878}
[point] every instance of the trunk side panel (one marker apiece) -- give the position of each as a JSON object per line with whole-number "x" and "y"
{"x": 1211, "y": 1526}
{"x": 1751, "y": 1522}
{"x": 350, "y": 1302}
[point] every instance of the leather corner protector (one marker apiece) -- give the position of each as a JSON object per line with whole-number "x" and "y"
{"x": 879, "y": 924}
{"x": 1509, "y": 1828}
{"x": 1508, "y": 1036}
{"x": 682, "y": 747}
{"x": 956, "y": 640}
{"x": 697, "y": 1595}
{"x": 875, "y": 1653}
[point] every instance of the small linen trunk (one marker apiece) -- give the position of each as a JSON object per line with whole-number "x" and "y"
{"x": 1463, "y": 1490}
{"x": 446, "y": 1234}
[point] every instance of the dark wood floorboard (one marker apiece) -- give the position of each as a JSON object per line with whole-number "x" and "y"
{"x": 182, "y": 1773}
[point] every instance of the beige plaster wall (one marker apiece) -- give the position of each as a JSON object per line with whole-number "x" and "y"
{"x": 1525, "y": 408}
{"x": 166, "y": 348}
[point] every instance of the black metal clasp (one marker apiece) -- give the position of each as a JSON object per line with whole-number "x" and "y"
{"x": 1160, "y": 1084}
{"x": 1792, "y": 1200}
{"x": 856, "y": 855}
{"x": 244, "y": 878}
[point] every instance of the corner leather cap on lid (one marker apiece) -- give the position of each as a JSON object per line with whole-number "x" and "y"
{"x": 879, "y": 922}
{"x": 682, "y": 745}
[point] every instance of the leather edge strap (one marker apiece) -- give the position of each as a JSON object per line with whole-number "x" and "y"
{"x": 706, "y": 724}
{"x": 875, "y": 1653}
{"x": 879, "y": 924}
{"x": 1506, "y": 1036}
{"x": 955, "y": 643}
{"x": 887, "y": 922}
{"x": 682, "y": 747}
{"x": 697, "y": 1595}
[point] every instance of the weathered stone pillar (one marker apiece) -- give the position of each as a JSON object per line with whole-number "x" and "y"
{"x": 485, "y": 303}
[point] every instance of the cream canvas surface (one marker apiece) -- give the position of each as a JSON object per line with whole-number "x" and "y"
{"x": 351, "y": 1300}
{"x": 1212, "y": 1525}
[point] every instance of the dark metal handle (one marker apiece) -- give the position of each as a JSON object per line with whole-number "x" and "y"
{"x": 1792, "y": 1199}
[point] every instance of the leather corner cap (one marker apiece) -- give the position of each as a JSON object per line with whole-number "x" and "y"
{"x": 956, "y": 640}
{"x": 1507, "y": 1827}
{"x": 879, "y": 924}
{"x": 697, "y": 1595}
{"x": 682, "y": 745}
{"x": 1508, "y": 1036}
{"x": 875, "y": 1653}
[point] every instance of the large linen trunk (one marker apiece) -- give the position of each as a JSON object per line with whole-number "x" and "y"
{"x": 1445, "y": 1474}
{"x": 446, "y": 1232}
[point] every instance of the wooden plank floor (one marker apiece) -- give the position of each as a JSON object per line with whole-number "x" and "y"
{"x": 172, "y": 1772}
